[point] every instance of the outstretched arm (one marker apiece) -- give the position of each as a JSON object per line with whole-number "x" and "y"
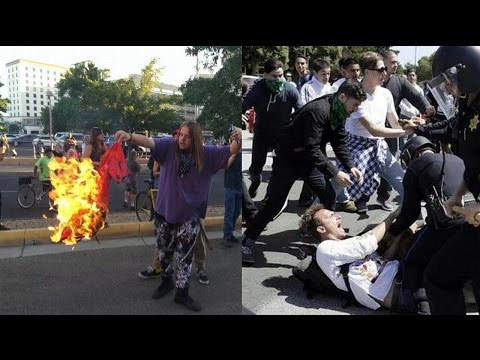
{"x": 136, "y": 139}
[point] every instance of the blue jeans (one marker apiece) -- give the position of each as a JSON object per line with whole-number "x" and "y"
{"x": 392, "y": 172}
{"x": 233, "y": 207}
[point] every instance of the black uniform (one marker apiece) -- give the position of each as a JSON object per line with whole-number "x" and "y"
{"x": 301, "y": 152}
{"x": 458, "y": 260}
{"x": 423, "y": 173}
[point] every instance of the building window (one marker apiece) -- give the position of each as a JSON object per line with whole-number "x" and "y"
{"x": 28, "y": 107}
{"x": 34, "y": 101}
{"x": 28, "y": 101}
{"x": 28, "y": 114}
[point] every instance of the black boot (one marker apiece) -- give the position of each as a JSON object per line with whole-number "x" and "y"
{"x": 165, "y": 287}
{"x": 182, "y": 297}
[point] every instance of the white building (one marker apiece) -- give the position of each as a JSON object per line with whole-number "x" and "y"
{"x": 27, "y": 83}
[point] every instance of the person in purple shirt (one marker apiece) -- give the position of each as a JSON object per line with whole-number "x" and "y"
{"x": 184, "y": 185}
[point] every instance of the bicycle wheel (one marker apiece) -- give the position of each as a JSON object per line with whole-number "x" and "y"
{"x": 143, "y": 206}
{"x": 26, "y": 196}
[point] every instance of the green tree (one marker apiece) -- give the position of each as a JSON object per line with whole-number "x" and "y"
{"x": 424, "y": 69}
{"x": 253, "y": 57}
{"x": 3, "y": 108}
{"x": 219, "y": 96}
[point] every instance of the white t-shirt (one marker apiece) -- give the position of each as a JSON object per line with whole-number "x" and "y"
{"x": 313, "y": 89}
{"x": 375, "y": 108}
{"x": 370, "y": 275}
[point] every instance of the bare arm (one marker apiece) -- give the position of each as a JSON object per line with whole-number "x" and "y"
{"x": 379, "y": 230}
{"x": 136, "y": 139}
{"x": 236, "y": 144}
{"x": 392, "y": 118}
{"x": 381, "y": 131}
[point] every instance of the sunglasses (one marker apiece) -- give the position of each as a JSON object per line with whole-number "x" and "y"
{"x": 381, "y": 70}
{"x": 412, "y": 74}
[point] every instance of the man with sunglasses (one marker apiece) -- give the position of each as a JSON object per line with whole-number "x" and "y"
{"x": 401, "y": 89}
{"x": 366, "y": 136}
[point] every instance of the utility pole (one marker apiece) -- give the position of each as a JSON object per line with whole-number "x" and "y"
{"x": 196, "y": 77}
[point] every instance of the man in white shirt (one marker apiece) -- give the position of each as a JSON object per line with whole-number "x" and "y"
{"x": 374, "y": 279}
{"x": 318, "y": 85}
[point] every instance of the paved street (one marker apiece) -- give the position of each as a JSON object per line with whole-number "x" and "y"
{"x": 101, "y": 278}
{"x": 269, "y": 286}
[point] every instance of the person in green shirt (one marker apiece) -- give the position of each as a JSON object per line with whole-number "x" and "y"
{"x": 42, "y": 164}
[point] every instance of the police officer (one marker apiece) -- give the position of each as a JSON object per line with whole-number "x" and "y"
{"x": 427, "y": 173}
{"x": 457, "y": 70}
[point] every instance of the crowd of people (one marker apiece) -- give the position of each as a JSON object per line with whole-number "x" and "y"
{"x": 386, "y": 132}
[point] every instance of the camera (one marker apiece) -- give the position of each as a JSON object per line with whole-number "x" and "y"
{"x": 436, "y": 209}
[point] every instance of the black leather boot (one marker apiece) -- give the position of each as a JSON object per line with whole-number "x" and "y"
{"x": 182, "y": 297}
{"x": 165, "y": 287}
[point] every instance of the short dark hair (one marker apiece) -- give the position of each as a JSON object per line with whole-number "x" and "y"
{"x": 353, "y": 88}
{"x": 271, "y": 65}
{"x": 308, "y": 222}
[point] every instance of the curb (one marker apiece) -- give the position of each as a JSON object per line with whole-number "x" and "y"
{"x": 22, "y": 237}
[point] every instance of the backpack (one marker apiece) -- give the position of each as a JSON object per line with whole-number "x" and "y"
{"x": 314, "y": 279}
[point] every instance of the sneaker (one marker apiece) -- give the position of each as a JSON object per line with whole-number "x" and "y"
{"x": 252, "y": 190}
{"x": 132, "y": 207}
{"x": 348, "y": 207}
{"x": 385, "y": 204}
{"x": 125, "y": 204}
{"x": 202, "y": 277}
{"x": 149, "y": 273}
{"x": 361, "y": 206}
{"x": 3, "y": 227}
{"x": 247, "y": 255}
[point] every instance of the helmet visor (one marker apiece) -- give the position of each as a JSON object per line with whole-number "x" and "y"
{"x": 444, "y": 88}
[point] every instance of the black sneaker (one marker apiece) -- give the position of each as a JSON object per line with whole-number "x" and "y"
{"x": 149, "y": 273}
{"x": 361, "y": 206}
{"x": 247, "y": 255}
{"x": 165, "y": 287}
{"x": 385, "y": 204}
{"x": 3, "y": 227}
{"x": 202, "y": 277}
{"x": 252, "y": 190}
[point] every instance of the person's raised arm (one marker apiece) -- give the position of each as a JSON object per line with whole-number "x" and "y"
{"x": 135, "y": 139}
{"x": 236, "y": 137}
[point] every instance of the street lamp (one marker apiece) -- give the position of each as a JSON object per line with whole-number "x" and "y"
{"x": 49, "y": 95}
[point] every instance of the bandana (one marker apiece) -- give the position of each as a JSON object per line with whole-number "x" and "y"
{"x": 275, "y": 85}
{"x": 339, "y": 113}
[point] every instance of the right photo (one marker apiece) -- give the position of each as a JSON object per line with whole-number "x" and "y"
{"x": 360, "y": 180}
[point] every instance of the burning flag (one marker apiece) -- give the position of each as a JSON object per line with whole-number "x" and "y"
{"x": 81, "y": 194}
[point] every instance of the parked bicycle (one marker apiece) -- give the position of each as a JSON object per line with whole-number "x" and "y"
{"x": 30, "y": 193}
{"x": 145, "y": 202}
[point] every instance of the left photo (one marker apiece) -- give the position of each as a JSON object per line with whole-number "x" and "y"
{"x": 120, "y": 180}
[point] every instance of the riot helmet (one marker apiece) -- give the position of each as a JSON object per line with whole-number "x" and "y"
{"x": 456, "y": 70}
{"x": 412, "y": 148}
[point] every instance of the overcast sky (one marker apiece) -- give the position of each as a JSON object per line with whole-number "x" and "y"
{"x": 407, "y": 53}
{"x": 121, "y": 60}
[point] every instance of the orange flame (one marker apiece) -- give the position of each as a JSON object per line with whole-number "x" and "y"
{"x": 76, "y": 187}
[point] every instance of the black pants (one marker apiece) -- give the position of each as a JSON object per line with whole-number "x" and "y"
{"x": 445, "y": 276}
{"x": 288, "y": 168}
{"x": 261, "y": 146}
{"x": 249, "y": 209}
{"x": 423, "y": 247}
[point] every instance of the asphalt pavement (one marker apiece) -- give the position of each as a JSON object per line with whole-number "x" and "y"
{"x": 100, "y": 278}
{"x": 269, "y": 286}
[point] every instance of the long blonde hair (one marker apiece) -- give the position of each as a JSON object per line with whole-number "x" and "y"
{"x": 196, "y": 149}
